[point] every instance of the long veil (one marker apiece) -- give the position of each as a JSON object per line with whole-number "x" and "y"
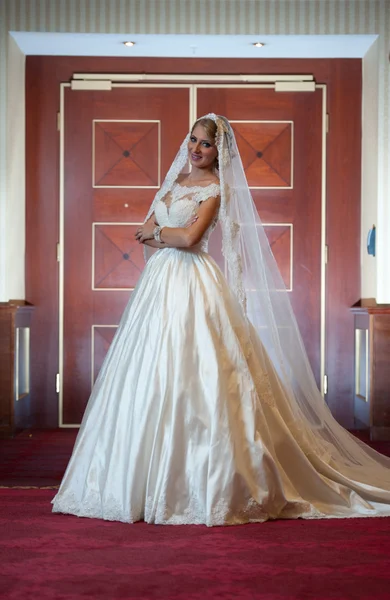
{"x": 254, "y": 277}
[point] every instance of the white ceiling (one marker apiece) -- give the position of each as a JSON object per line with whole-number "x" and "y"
{"x": 187, "y": 46}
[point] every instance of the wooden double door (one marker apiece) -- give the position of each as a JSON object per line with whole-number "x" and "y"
{"x": 117, "y": 146}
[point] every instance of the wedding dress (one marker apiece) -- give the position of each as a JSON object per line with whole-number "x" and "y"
{"x": 191, "y": 421}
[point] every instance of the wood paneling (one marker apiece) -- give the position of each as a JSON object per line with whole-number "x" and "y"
{"x": 118, "y": 257}
{"x": 343, "y": 231}
{"x": 126, "y": 153}
{"x": 375, "y": 318}
{"x": 132, "y": 134}
{"x": 280, "y": 240}
{"x": 381, "y": 362}
{"x": 343, "y": 78}
{"x": 7, "y": 352}
{"x": 14, "y": 412}
{"x": 265, "y": 150}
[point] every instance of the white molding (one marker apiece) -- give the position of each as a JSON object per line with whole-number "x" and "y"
{"x": 158, "y": 77}
{"x": 61, "y": 258}
{"x": 324, "y": 249}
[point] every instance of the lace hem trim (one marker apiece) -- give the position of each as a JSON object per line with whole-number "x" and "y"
{"x": 194, "y": 514}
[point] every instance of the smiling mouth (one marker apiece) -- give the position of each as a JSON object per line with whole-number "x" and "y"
{"x": 195, "y": 157}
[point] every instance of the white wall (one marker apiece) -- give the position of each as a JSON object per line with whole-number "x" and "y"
{"x": 15, "y": 175}
{"x": 3, "y": 153}
{"x": 369, "y": 202}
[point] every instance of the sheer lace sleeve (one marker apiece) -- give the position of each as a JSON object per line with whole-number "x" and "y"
{"x": 203, "y": 194}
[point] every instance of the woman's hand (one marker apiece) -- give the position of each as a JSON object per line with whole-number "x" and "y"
{"x": 145, "y": 231}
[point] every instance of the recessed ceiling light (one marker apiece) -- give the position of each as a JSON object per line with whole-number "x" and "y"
{"x": 258, "y": 44}
{"x": 129, "y": 44}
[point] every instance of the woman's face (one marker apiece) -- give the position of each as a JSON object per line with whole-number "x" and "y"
{"x": 202, "y": 150}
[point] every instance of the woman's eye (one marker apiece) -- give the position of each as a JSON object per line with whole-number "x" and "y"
{"x": 193, "y": 139}
{"x": 206, "y": 144}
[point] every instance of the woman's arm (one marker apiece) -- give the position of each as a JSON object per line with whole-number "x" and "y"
{"x": 155, "y": 244}
{"x": 144, "y": 233}
{"x": 180, "y": 237}
{"x": 185, "y": 237}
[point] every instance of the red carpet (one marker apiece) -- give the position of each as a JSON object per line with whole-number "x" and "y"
{"x": 56, "y": 556}
{"x": 36, "y": 457}
{"x": 62, "y": 557}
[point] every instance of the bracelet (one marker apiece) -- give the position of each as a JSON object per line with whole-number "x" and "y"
{"x": 157, "y": 234}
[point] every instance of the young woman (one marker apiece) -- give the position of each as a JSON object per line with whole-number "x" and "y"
{"x": 206, "y": 410}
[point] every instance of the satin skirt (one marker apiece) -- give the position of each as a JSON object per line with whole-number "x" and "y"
{"x": 185, "y": 422}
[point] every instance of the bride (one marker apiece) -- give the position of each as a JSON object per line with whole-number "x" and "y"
{"x": 206, "y": 410}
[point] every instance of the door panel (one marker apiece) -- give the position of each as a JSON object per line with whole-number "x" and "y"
{"x": 279, "y": 136}
{"x": 126, "y": 153}
{"x": 266, "y": 153}
{"x": 118, "y": 146}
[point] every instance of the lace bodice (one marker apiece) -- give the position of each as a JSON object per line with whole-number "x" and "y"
{"x": 181, "y": 203}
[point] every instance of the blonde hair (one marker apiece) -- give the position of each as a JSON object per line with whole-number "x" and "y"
{"x": 209, "y": 125}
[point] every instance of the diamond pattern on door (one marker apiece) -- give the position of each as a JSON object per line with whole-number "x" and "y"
{"x": 117, "y": 258}
{"x": 126, "y": 154}
{"x": 102, "y": 336}
{"x": 266, "y": 152}
{"x": 280, "y": 238}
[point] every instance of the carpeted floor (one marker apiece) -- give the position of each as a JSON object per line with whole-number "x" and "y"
{"x": 36, "y": 457}
{"x": 62, "y": 557}
{"x": 51, "y": 556}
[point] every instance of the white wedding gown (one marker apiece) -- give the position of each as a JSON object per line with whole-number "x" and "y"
{"x": 186, "y": 423}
